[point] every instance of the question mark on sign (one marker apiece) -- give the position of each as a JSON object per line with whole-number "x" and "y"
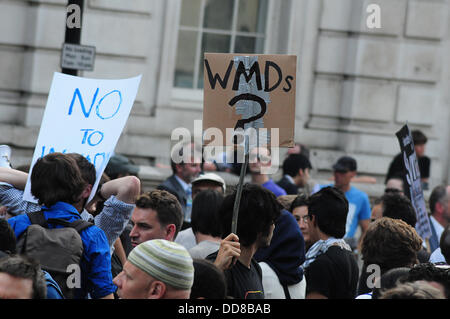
{"x": 250, "y": 97}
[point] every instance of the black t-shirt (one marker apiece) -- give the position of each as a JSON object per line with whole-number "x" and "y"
{"x": 243, "y": 282}
{"x": 397, "y": 167}
{"x": 333, "y": 274}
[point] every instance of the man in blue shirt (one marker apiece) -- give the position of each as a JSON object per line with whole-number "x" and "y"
{"x": 57, "y": 183}
{"x": 359, "y": 206}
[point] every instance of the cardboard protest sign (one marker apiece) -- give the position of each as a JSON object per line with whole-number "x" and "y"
{"x": 84, "y": 116}
{"x": 249, "y": 91}
{"x": 413, "y": 187}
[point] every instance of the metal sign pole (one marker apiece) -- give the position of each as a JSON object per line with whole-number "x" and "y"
{"x": 73, "y": 34}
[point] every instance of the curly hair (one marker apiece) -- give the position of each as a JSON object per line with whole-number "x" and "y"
{"x": 166, "y": 206}
{"x": 429, "y": 272}
{"x": 390, "y": 243}
{"x": 390, "y": 279}
{"x": 413, "y": 290}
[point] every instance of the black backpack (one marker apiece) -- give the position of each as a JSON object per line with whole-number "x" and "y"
{"x": 57, "y": 249}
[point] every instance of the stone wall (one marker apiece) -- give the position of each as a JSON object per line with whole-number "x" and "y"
{"x": 366, "y": 83}
{"x": 355, "y": 86}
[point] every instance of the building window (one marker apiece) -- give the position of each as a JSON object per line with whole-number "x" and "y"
{"x": 225, "y": 26}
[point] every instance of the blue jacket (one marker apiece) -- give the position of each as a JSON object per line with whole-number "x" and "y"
{"x": 53, "y": 290}
{"x": 95, "y": 265}
{"x": 286, "y": 251}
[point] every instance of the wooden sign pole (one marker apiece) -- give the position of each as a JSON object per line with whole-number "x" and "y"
{"x": 240, "y": 186}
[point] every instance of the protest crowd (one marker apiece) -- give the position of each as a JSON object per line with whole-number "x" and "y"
{"x": 294, "y": 239}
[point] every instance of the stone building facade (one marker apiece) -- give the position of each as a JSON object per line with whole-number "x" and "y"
{"x": 356, "y": 86}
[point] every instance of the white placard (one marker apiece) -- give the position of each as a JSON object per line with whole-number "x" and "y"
{"x": 84, "y": 116}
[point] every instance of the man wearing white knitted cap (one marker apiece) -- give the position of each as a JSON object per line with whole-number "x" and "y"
{"x": 156, "y": 269}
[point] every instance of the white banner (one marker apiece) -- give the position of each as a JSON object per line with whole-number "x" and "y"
{"x": 84, "y": 116}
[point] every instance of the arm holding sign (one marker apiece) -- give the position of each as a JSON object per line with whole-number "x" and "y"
{"x": 124, "y": 188}
{"x": 120, "y": 194}
{"x": 16, "y": 178}
{"x": 11, "y": 192}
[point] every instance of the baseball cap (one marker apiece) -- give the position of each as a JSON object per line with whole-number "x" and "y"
{"x": 345, "y": 164}
{"x": 211, "y": 177}
{"x": 120, "y": 164}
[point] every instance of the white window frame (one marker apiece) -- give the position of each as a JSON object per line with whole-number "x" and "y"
{"x": 185, "y": 98}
